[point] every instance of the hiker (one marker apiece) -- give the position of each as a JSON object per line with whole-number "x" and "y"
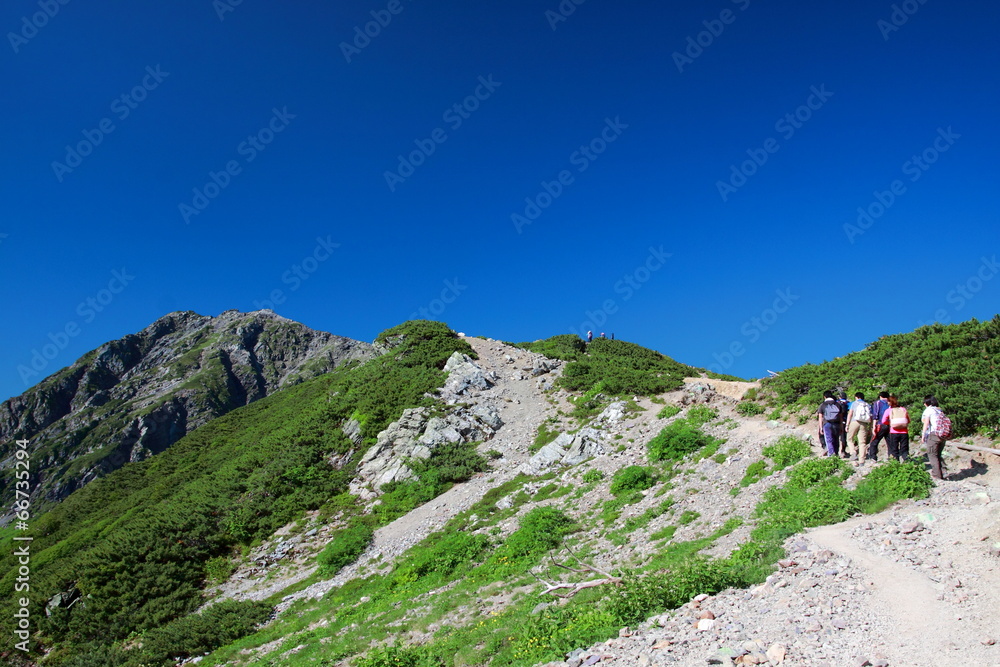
{"x": 602, "y": 335}
{"x": 829, "y": 422}
{"x": 612, "y": 335}
{"x": 844, "y": 407}
{"x": 859, "y": 420}
{"x": 897, "y": 420}
{"x": 590, "y": 336}
{"x": 933, "y": 436}
{"x": 879, "y": 408}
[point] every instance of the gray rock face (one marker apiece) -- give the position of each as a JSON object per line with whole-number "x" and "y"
{"x": 612, "y": 414}
{"x": 464, "y": 375}
{"x": 568, "y": 450}
{"x": 415, "y": 436}
{"x": 134, "y": 397}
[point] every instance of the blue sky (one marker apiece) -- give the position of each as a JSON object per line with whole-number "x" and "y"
{"x": 686, "y": 175}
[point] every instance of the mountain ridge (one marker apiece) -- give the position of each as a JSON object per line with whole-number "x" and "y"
{"x": 135, "y": 396}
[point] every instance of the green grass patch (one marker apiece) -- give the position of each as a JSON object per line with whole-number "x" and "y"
{"x": 668, "y": 411}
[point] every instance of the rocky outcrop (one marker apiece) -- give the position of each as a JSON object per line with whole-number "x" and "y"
{"x": 464, "y": 375}
{"x": 567, "y": 449}
{"x": 132, "y": 398}
{"x": 418, "y": 431}
{"x": 415, "y": 436}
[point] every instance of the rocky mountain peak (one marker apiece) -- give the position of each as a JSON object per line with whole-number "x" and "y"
{"x": 135, "y": 396}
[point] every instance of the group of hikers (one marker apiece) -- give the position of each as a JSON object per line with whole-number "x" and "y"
{"x": 590, "y": 336}
{"x": 861, "y": 426}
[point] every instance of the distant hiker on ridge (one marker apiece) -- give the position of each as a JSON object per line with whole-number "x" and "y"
{"x": 829, "y": 422}
{"x": 590, "y": 336}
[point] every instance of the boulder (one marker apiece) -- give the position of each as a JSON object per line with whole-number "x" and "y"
{"x": 464, "y": 375}
{"x": 612, "y": 414}
{"x": 567, "y": 449}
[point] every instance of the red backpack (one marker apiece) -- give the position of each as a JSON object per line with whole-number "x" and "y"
{"x": 943, "y": 429}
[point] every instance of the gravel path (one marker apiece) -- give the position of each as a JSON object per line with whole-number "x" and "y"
{"x": 914, "y": 586}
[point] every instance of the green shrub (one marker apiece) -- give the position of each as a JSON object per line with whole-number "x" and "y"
{"x": 668, "y": 411}
{"x": 955, "y": 362}
{"x": 664, "y": 533}
{"x": 645, "y": 595}
{"x": 829, "y": 469}
{"x": 632, "y": 478}
{"x": 750, "y": 409}
{"x": 677, "y": 440}
{"x": 397, "y": 656}
{"x": 441, "y": 554}
{"x": 593, "y": 475}
{"x": 700, "y": 415}
{"x": 344, "y": 548}
{"x": 755, "y": 472}
{"x": 750, "y": 394}
{"x": 890, "y": 482}
{"x": 787, "y": 451}
{"x": 687, "y": 516}
{"x": 201, "y": 633}
{"x": 567, "y": 347}
{"x": 624, "y": 368}
{"x": 541, "y": 529}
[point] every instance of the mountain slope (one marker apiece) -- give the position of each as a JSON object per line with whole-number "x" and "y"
{"x": 134, "y": 397}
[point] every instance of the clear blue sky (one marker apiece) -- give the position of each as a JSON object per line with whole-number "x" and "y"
{"x": 623, "y": 122}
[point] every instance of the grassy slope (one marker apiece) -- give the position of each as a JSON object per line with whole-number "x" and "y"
{"x": 137, "y": 542}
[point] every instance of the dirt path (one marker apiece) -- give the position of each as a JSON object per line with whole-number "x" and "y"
{"x": 732, "y": 389}
{"x": 918, "y": 618}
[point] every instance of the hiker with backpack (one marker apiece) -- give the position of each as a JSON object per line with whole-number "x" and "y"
{"x": 936, "y": 430}
{"x": 859, "y": 421}
{"x": 830, "y": 417}
{"x": 879, "y": 409}
{"x": 845, "y": 406}
{"x": 897, "y": 419}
